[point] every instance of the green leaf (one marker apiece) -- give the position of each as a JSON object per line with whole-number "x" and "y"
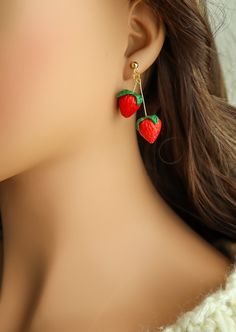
{"x": 124, "y": 92}
{"x": 154, "y": 118}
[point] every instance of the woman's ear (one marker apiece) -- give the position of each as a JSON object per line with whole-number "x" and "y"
{"x": 146, "y": 35}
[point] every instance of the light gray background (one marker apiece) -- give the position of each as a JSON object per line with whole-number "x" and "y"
{"x": 225, "y": 35}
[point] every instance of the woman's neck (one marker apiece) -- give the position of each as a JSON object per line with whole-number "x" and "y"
{"x": 93, "y": 212}
{"x": 102, "y": 187}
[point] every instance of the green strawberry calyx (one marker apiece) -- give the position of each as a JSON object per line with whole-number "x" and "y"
{"x": 154, "y": 118}
{"x": 124, "y": 92}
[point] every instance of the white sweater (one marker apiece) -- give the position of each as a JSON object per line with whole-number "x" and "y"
{"x": 217, "y": 311}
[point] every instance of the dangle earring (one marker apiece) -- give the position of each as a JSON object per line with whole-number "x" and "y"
{"x": 129, "y": 102}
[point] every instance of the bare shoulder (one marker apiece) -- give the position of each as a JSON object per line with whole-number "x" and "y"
{"x": 218, "y": 267}
{"x": 206, "y": 270}
{"x": 191, "y": 268}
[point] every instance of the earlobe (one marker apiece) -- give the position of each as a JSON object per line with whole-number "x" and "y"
{"x": 145, "y": 39}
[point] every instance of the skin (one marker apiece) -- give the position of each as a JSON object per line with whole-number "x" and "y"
{"x": 89, "y": 245}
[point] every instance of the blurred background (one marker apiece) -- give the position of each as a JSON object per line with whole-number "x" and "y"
{"x": 222, "y": 15}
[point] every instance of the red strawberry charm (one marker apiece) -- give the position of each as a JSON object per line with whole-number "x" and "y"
{"x": 149, "y": 127}
{"x": 129, "y": 102}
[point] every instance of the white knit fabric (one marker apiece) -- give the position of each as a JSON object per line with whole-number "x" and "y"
{"x": 216, "y": 312}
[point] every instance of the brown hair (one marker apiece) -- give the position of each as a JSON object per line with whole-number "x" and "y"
{"x": 193, "y": 162}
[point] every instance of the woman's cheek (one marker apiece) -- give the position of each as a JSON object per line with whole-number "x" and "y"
{"x": 23, "y": 59}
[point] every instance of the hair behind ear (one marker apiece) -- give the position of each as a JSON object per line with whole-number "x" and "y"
{"x": 193, "y": 162}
